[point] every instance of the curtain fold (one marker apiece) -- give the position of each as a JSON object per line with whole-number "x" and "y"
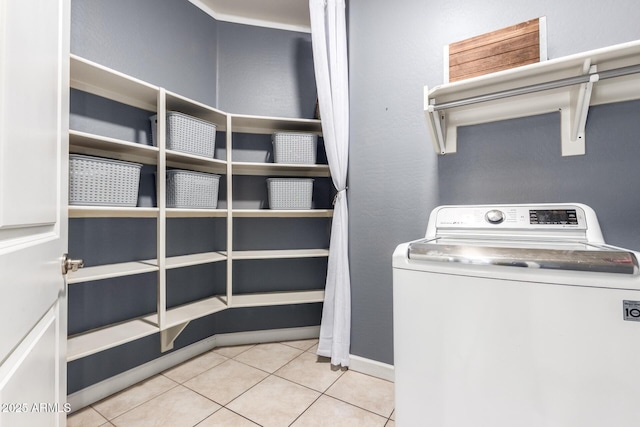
{"x": 329, "y": 41}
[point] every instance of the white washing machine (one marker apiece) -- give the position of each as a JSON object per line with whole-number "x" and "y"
{"x": 516, "y": 316}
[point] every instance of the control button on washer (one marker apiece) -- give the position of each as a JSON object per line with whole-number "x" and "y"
{"x": 494, "y": 216}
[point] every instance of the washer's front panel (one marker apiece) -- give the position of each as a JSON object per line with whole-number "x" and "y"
{"x": 495, "y": 353}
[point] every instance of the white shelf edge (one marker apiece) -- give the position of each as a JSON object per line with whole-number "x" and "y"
{"x": 194, "y": 259}
{"x": 282, "y": 213}
{"x": 177, "y": 159}
{"x": 280, "y": 254}
{"x": 92, "y": 342}
{"x": 79, "y": 211}
{"x": 244, "y": 123}
{"x": 91, "y": 77}
{"x": 191, "y": 311}
{"x": 277, "y": 298}
{"x": 255, "y": 168}
{"x": 92, "y": 144}
{"x": 193, "y": 107}
{"x": 195, "y": 213}
{"x": 108, "y": 271}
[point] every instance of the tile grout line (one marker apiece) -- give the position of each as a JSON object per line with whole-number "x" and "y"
{"x": 268, "y": 375}
{"x": 140, "y": 404}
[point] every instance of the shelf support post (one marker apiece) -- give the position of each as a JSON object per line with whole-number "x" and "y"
{"x": 168, "y": 336}
{"x": 162, "y": 213}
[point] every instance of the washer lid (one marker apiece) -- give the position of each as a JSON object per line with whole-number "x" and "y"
{"x": 575, "y": 256}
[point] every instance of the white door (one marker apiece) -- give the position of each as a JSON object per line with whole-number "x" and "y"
{"x": 34, "y": 112}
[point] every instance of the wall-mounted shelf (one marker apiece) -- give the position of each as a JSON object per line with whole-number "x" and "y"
{"x": 282, "y": 213}
{"x": 569, "y": 85}
{"x": 108, "y": 271}
{"x": 277, "y": 298}
{"x": 102, "y": 146}
{"x": 94, "y": 78}
{"x": 279, "y": 169}
{"x": 187, "y": 312}
{"x": 265, "y": 125}
{"x": 76, "y": 211}
{"x": 102, "y": 339}
{"x": 281, "y": 254}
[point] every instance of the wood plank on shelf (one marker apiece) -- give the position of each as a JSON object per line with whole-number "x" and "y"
{"x": 283, "y": 169}
{"x": 76, "y": 211}
{"x": 277, "y": 298}
{"x": 96, "y": 145}
{"x": 99, "y": 272}
{"x": 191, "y": 311}
{"x": 261, "y": 124}
{"x": 99, "y": 80}
{"x": 282, "y": 213}
{"x": 83, "y": 345}
{"x": 281, "y": 254}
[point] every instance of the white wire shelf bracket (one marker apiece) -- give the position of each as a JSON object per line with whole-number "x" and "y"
{"x": 569, "y": 85}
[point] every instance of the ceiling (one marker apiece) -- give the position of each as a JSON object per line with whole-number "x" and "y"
{"x": 290, "y": 15}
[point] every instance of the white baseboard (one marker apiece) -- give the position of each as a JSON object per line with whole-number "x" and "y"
{"x": 372, "y": 367}
{"x": 96, "y": 392}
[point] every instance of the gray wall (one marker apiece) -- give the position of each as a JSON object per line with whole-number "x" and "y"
{"x": 173, "y": 44}
{"x": 168, "y": 43}
{"x": 265, "y": 66}
{"x": 395, "y": 178}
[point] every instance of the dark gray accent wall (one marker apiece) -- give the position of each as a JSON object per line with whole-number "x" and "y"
{"x": 266, "y": 72}
{"x": 173, "y": 44}
{"x": 395, "y": 178}
{"x": 167, "y": 43}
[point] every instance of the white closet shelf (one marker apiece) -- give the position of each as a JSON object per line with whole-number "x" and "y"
{"x": 282, "y": 213}
{"x": 192, "y": 259}
{"x": 569, "y": 84}
{"x": 169, "y": 323}
{"x": 94, "y": 78}
{"x": 276, "y": 298}
{"x": 96, "y": 145}
{"x": 280, "y": 169}
{"x": 281, "y": 254}
{"x": 261, "y": 124}
{"x": 191, "y": 311}
{"x": 176, "y": 159}
{"x": 92, "y": 342}
{"x": 108, "y": 271}
{"x": 193, "y": 108}
{"x": 99, "y": 272}
{"x": 195, "y": 213}
{"x": 76, "y": 211}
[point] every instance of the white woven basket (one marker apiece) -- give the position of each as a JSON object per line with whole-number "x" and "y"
{"x": 96, "y": 181}
{"x": 187, "y": 134}
{"x": 295, "y": 148}
{"x": 188, "y": 189}
{"x": 290, "y": 193}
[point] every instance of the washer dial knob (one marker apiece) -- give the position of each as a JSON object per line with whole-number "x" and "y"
{"x": 494, "y": 216}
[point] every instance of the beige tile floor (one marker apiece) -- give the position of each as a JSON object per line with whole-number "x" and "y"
{"x": 276, "y": 384}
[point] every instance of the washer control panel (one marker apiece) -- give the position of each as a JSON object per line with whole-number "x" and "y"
{"x": 515, "y": 216}
{"x": 573, "y": 222}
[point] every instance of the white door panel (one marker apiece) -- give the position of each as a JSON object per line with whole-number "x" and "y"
{"x": 31, "y": 363}
{"x": 34, "y": 116}
{"x": 30, "y": 68}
